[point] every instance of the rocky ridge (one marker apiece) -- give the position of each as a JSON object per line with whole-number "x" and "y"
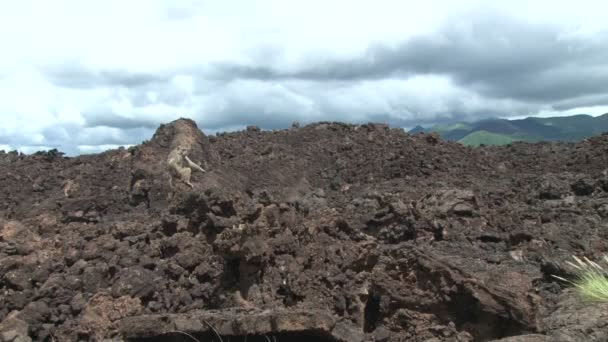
{"x": 332, "y": 231}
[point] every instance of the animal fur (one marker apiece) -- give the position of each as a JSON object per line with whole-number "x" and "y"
{"x": 180, "y": 166}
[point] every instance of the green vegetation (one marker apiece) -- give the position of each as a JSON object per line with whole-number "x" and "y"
{"x": 502, "y": 131}
{"x": 486, "y": 138}
{"x": 446, "y": 128}
{"x": 591, "y": 282}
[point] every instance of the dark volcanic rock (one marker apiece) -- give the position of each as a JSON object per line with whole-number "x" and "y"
{"x": 135, "y": 282}
{"x": 552, "y": 188}
{"x": 583, "y": 187}
{"x": 326, "y": 231}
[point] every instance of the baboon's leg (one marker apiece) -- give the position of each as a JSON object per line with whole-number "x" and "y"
{"x": 186, "y": 174}
{"x": 170, "y": 180}
{"x": 194, "y": 165}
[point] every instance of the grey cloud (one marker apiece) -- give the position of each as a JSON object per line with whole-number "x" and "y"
{"x": 276, "y": 105}
{"x": 179, "y": 10}
{"x": 553, "y": 85}
{"x": 493, "y": 55}
{"x": 100, "y": 117}
{"x": 583, "y": 101}
{"x": 267, "y": 105}
{"x": 75, "y": 75}
{"x": 69, "y": 143}
{"x": 25, "y": 143}
{"x": 67, "y": 138}
{"x": 95, "y": 135}
{"x": 166, "y": 93}
{"x": 495, "y": 67}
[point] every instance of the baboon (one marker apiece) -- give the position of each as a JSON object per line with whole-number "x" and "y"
{"x": 68, "y": 187}
{"x": 180, "y": 166}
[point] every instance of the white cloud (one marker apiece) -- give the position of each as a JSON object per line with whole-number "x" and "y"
{"x": 86, "y": 75}
{"x": 90, "y": 149}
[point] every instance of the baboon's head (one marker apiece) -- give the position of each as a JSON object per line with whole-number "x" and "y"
{"x": 182, "y": 150}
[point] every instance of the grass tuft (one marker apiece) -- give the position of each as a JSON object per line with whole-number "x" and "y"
{"x": 591, "y": 282}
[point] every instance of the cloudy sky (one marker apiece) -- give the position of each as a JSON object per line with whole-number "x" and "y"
{"x": 84, "y": 76}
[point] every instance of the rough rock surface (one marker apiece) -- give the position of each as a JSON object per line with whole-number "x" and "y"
{"x": 333, "y": 231}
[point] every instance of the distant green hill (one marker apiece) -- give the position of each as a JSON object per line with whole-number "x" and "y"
{"x": 486, "y": 138}
{"x": 503, "y": 131}
{"x": 454, "y": 131}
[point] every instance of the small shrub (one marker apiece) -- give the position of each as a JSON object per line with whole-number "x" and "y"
{"x": 591, "y": 282}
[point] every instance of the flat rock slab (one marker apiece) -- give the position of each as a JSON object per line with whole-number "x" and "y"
{"x": 240, "y": 322}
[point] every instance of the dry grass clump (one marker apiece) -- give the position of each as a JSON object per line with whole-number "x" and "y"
{"x": 591, "y": 282}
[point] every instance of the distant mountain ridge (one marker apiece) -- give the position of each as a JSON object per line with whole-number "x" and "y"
{"x": 531, "y": 129}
